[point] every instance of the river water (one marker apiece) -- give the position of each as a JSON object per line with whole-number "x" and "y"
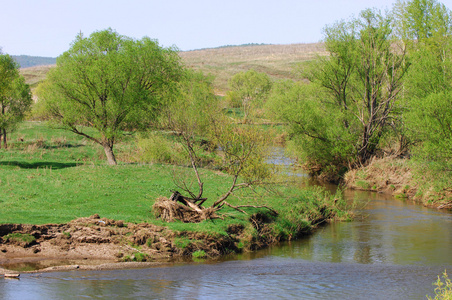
{"x": 394, "y": 250}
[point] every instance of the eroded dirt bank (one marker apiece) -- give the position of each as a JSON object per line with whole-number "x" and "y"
{"x": 394, "y": 176}
{"x": 103, "y": 241}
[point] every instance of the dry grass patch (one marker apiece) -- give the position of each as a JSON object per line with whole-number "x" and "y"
{"x": 387, "y": 174}
{"x": 278, "y": 61}
{"x": 34, "y": 75}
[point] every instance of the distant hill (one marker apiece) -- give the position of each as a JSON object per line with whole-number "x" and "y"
{"x": 278, "y": 61}
{"x": 26, "y": 61}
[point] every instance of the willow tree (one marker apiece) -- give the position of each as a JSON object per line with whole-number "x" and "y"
{"x": 15, "y": 97}
{"x": 111, "y": 83}
{"x": 428, "y": 88}
{"x": 352, "y": 95}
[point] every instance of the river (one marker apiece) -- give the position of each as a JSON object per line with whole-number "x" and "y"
{"x": 393, "y": 250}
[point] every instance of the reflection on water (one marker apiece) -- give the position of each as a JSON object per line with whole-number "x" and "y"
{"x": 391, "y": 232}
{"x": 269, "y": 277}
{"x": 395, "y": 251}
{"x": 39, "y": 264}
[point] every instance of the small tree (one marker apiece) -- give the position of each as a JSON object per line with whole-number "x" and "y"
{"x": 251, "y": 88}
{"x": 111, "y": 83}
{"x": 15, "y": 97}
{"x": 196, "y": 115}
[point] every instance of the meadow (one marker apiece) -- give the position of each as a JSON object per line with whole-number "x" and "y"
{"x": 49, "y": 175}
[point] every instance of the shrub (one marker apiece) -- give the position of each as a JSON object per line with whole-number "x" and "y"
{"x": 157, "y": 149}
{"x": 443, "y": 290}
{"x": 137, "y": 256}
{"x": 199, "y": 254}
{"x": 182, "y": 242}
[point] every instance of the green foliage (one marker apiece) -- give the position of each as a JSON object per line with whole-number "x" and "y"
{"x": 430, "y": 121}
{"x": 443, "y": 290}
{"x": 200, "y": 126}
{"x": 428, "y": 103}
{"x": 15, "y": 96}
{"x": 322, "y": 144}
{"x": 339, "y": 119}
{"x": 251, "y": 88}
{"x": 182, "y": 242}
{"x": 199, "y": 254}
{"x": 137, "y": 256}
{"x": 233, "y": 99}
{"x": 20, "y": 237}
{"x": 157, "y": 148}
{"x": 303, "y": 211}
{"x": 111, "y": 83}
{"x": 363, "y": 184}
{"x": 192, "y": 108}
{"x": 422, "y": 21}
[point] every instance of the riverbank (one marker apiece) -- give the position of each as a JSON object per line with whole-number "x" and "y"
{"x": 101, "y": 242}
{"x": 60, "y": 200}
{"x": 403, "y": 179}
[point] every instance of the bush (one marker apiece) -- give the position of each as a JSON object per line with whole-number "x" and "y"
{"x": 199, "y": 254}
{"x": 443, "y": 290}
{"x": 155, "y": 148}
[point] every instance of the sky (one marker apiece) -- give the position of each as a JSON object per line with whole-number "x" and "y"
{"x": 48, "y": 27}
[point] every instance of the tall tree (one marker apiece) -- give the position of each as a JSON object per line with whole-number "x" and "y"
{"x": 429, "y": 82}
{"x": 15, "y": 97}
{"x": 111, "y": 83}
{"x": 356, "y": 89}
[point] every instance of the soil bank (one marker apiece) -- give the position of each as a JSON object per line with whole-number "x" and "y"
{"x": 100, "y": 243}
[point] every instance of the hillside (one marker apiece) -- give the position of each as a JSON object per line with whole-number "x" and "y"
{"x": 276, "y": 60}
{"x": 34, "y": 75}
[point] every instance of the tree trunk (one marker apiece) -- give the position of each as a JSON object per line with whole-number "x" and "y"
{"x": 110, "y": 155}
{"x": 4, "y": 139}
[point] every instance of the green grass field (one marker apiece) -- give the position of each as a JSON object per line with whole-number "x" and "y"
{"x": 53, "y": 176}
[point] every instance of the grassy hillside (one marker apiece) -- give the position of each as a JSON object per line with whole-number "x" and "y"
{"x": 34, "y": 75}
{"x": 276, "y": 60}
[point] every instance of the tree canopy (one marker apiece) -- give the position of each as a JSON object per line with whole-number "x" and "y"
{"x": 428, "y": 110}
{"x": 111, "y": 83}
{"x": 340, "y": 117}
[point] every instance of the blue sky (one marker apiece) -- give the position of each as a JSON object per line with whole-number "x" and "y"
{"x": 47, "y": 27}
